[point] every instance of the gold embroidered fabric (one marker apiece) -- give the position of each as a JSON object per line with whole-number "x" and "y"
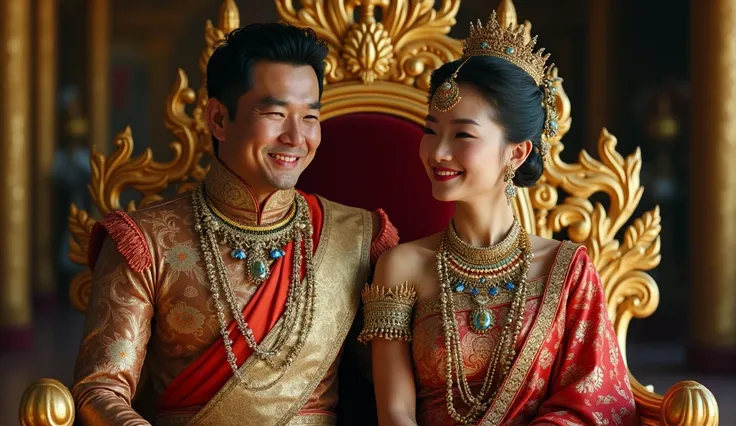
{"x": 163, "y": 314}
{"x": 388, "y": 312}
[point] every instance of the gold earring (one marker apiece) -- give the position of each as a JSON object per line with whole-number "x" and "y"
{"x": 508, "y": 177}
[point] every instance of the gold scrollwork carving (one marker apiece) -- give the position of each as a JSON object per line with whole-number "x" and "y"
{"x": 121, "y": 171}
{"x": 405, "y": 47}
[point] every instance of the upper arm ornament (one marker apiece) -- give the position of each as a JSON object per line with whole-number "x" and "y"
{"x": 388, "y": 312}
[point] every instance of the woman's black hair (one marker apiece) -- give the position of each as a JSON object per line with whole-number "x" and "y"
{"x": 516, "y": 101}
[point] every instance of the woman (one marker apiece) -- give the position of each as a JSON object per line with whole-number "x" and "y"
{"x": 483, "y": 323}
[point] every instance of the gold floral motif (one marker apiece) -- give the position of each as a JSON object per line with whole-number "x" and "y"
{"x": 185, "y": 319}
{"x": 368, "y": 51}
{"x": 121, "y": 354}
{"x": 182, "y": 257}
{"x": 191, "y": 292}
{"x": 592, "y": 382}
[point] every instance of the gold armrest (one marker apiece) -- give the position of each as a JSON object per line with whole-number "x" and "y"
{"x": 687, "y": 403}
{"x": 46, "y": 403}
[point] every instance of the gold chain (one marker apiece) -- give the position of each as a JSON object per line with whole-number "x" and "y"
{"x": 297, "y": 318}
{"x": 505, "y": 351}
{"x": 483, "y": 255}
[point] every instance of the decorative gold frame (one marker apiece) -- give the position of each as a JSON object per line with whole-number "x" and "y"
{"x": 385, "y": 67}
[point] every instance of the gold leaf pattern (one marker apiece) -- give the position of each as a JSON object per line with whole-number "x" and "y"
{"x": 368, "y": 51}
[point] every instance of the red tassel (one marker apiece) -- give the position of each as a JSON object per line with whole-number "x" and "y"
{"x": 128, "y": 238}
{"x": 387, "y": 239}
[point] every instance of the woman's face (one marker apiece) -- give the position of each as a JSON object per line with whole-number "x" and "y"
{"x": 463, "y": 150}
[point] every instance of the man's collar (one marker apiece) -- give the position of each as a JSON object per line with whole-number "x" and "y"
{"x": 232, "y": 196}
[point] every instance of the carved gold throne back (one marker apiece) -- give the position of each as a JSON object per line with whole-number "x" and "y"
{"x": 382, "y": 68}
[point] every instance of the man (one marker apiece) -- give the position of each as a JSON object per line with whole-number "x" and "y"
{"x": 238, "y": 296}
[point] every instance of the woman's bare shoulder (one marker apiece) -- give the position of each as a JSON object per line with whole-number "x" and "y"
{"x": 545, "y": 251}
{"x": 407, "y": 262}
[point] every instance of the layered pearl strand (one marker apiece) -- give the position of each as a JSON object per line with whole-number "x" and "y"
{"x": 251, "y": 243}
{"x": 462, "y": 268}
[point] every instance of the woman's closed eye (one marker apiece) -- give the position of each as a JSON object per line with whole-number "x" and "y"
{"x": 463, "y": 135}
{"x": 428, "y": 131}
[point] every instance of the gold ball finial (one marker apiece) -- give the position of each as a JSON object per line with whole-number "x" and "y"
{"x": 689, "y": 403}
{"x": 46, "y": 403}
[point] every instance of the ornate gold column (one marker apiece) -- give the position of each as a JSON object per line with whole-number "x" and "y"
{"x": 15, "y": 286}
{"x": 98, "y": 75}
{"x": 713, "y": 186}
{"x": 44, "y": 147}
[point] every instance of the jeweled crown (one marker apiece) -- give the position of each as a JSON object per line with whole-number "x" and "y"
{"x": 507, "y": 43}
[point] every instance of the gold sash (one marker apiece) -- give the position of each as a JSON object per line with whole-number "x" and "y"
{"x": 539, "y": 332}
{"x": 342, "y": 263}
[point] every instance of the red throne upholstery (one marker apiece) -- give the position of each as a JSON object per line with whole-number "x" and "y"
{"x": 371, "y": 160}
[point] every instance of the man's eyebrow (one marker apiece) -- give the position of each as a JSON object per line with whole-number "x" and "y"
{"x": 271, "y": 101}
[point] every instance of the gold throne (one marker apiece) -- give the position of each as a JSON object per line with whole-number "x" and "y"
{"x": 375, "y": 94}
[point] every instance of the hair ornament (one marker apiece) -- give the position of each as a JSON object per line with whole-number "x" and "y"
{"x": 512, "y": 45}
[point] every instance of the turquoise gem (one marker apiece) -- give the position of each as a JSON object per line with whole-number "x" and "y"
{"x": 276, "y": 253}
{"x": 483, "y": 280}
{"x": 258, "y": 269}
{"x": 553, "y": 124}
{"x": 509, "y": 50}
{"x": 482, "y": 319}
{"x": 510, "y": 286}
{"x": 238, "y": 254}
{"x": 459, "y": 287}
{"x": 484, "y": 45}
{"x": 493, "y": 291}
{"x": 474, "y": 291}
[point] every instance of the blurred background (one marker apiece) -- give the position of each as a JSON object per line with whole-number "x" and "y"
{"x": 75, "y": 72}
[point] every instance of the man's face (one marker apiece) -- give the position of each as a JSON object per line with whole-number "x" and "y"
{"x": 276, "y": 130}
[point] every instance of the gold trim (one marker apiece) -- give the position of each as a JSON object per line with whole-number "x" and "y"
{"x": 542, "y": 326}
{"x": 313, "y": 420}
{"x": 278, "y": 401}
{"x": 242, "y": 226}
{"x": 383, "y": 97}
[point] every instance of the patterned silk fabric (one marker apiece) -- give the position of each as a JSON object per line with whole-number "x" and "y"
{"x": 568, "y": 370}
{"x": 163, "y": 314}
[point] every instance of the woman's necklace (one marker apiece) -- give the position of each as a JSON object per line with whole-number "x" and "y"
{"x": 482, "y": 273}
{"x": 258, "y": 246}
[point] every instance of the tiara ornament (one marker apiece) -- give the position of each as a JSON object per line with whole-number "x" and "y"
{"x": 512, "y": 45}
{"x": 509, "y": 43}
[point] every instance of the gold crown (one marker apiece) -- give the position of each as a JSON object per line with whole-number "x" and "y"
{"x": 510, "y": 44}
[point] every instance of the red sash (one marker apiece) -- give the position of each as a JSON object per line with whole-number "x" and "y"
{"x": 198, "y": 383}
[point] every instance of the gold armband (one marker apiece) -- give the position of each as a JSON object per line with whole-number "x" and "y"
{"x": 387, "y": 313}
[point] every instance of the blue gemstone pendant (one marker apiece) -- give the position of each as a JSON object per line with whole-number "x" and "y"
{"x": 276, "y": 253}
{"x": 481, "y": 320}
{"x": 238, "y": 254}
{"x": 258, "y": 270}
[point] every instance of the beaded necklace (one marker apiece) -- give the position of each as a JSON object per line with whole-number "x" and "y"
{"x": 256, "y": 246}
{"x": 482, "y": 273}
